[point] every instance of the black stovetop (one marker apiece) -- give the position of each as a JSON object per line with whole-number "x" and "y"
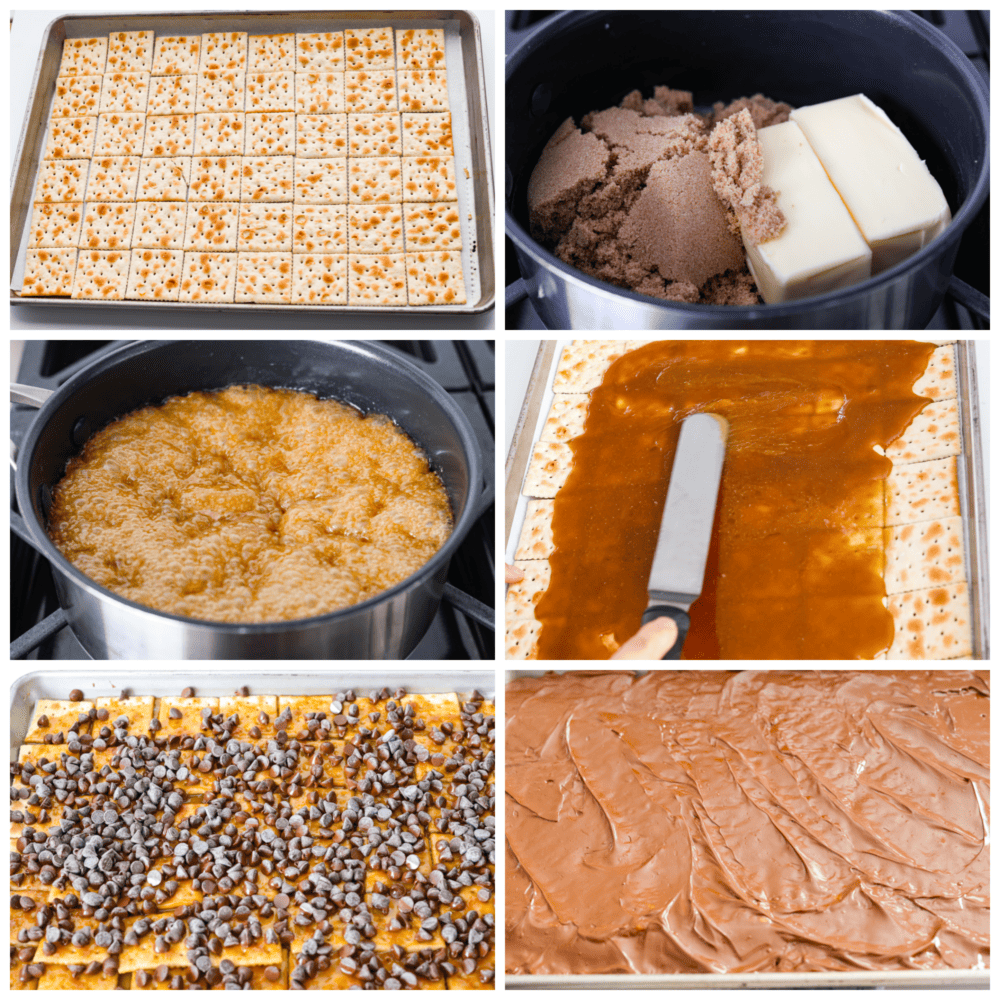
{"x": 970, "y": 31}
{"x": 464, "y": 368}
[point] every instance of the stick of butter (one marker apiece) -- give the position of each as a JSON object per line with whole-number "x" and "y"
{"x": 820, "y": 248}
{"x": 895, "y": 201}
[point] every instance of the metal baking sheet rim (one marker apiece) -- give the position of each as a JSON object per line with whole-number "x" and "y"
{"x": 915, "y": 979}
{"x": 908, "y": 979}
{"x": 483, "y": 255}
{"x": 971, "y": 487}
{"x": 151, "y": 679}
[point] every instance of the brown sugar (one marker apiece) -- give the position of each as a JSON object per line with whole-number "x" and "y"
{"x": 572, "y": 165}
{"x": 663, "y": 102}
{"x": 762, "y": 110}
{"x": 637, "y": 143}
{"x": 679, "y": 226}
{"x": 737, "y": 173}
{"x": 628, "y": 197}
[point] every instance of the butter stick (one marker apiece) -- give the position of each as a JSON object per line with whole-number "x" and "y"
{"x": 889, "y": 191}
{"x": 820, "y": 248}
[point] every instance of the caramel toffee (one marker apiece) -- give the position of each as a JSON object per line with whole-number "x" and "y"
{"x": 797, "y": 556}
{"x": 249, "y": 505}
{"x": 254, "y": 842}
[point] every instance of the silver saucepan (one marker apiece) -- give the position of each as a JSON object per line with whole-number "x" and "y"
{"x": 580, "y": 61}
{"x": 366, "y": 375}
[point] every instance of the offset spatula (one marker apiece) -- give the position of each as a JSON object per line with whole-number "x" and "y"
{"x": 675, "y": 581}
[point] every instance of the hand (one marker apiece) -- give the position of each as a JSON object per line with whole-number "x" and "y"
{"x": 651, "y": 642}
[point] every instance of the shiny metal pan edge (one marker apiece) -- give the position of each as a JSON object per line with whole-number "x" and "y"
{"x": 98, "y": 681}
{"x": 910, "y": 979}
{"x": 971, "y": 480}
{"x": 470, "y": 120}
{"x": 973, "y": 498}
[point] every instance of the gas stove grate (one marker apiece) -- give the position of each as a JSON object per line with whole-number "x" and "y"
{"x": 463, "y": 626}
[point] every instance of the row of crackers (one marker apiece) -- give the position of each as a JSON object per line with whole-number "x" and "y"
{"x": 236, "y": 91}
{"x": 70, "y": 966}
{"x": 61, "y": 977}
{"x": 923, "y": 536}
{"x": 156, "y": 225}
{"x": 318, "y": 792}
{"x": 925, "y": 551}
{"x": 351, "y": 49}
{"x": 415, "y": 279}
{"x": 268, "y": 971}
{"x": 249, "y": 817}
{"x": 327, "y": 181}
{"x": 179, "y": 716}
{"x": 305, "y": 136}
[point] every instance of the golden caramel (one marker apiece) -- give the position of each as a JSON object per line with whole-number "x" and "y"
{"x": 249, "y": 505}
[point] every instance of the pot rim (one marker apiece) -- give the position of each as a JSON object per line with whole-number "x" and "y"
{"x": 131, "y": 349}
{"x": 952, "y": 234}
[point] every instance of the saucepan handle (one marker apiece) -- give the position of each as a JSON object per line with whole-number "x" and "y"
{"x": 29, "y": 395}
{"x": 681, "y": 620}
{"x": 20, "y": 529}
{"x": 465, "y": 603}
{"x": 484, "y": 501}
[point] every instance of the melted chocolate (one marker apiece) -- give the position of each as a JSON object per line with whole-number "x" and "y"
{"x": 797, "y": 557}
{"x": 740, "y": 822}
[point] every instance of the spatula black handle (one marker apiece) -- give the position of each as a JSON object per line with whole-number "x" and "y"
{"x": 681, "y": 620}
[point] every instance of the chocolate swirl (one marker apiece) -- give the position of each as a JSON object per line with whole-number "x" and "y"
{"x": 741, "y": 822}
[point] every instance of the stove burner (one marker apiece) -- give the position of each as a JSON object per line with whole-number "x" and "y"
{"x": 464, "y": 625}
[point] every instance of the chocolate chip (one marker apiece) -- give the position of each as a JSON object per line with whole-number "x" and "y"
{"x": 188, "y": 692}
{"x": 76, "y": 695}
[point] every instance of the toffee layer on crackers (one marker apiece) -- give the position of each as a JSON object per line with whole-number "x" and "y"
{"x": 901, "y": 556}
{"x": 256, "y": 842}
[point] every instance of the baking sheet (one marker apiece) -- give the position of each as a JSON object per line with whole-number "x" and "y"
{"x": 916, "y": 979}
{"x": 98, "y": 681}
{"x": 470, "y": 135}
{"x": 913, "y": 979}
{"x": 971, "y": 484}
